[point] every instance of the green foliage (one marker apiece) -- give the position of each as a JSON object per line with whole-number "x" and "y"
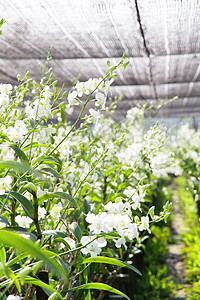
{"x": 70, "y": 205}
{"x": 191, "y": 238}
{"x": 155, "y": 282}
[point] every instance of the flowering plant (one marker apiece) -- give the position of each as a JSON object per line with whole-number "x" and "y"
{"x": 71, "y": 196}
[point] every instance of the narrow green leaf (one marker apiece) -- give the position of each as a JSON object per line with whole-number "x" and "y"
{"x": 22, "y": 232}
{"x": 128, "y": 172}
{"x": 110, "y": 261}
{"x": 98, "y": 286}
{"x": 15, "y": 165}
{"x": 19, "y": 167}
{"x": 42, "y": 285}
{"x": 26, "y": 204}
{"x": 108, "y": 63}
{"x": 58, "y": 195}
{"x": 55, "y": 233}
{"x": 50, "y": 171}
{"x": 30, "y": 186}
{"x": 67, "y": 197}
{"x": 75, "y": 229}
{"x": 10, "y": 274}
{"x": 14, "y": 240}
{"x": 122, "y": 186}
{"x": 86, "y": 205}
{"x": 125, "y": 65}
{"x": 108, "y": 172}
{"x": 19, "y": 153}
{"x": 151, "y": 212}
{"x": 4, "y": 220}
{"x": 17, "y": 259}
{"x": 2, "y": 255}
{"x": 53, "y": 296}
{"x": 47, "y": 160}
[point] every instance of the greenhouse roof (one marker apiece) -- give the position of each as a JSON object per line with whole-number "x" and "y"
{"x": 161, "y": 40}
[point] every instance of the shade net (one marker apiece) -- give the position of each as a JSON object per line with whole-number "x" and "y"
{"x": 161, "y": 40}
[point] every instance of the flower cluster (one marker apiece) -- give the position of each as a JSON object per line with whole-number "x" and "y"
{"x": 5, "y": 91}
{"x": 117, "y": 217}
{"x": 41, "y": 107}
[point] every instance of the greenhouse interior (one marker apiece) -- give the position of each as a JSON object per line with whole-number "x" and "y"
{"x": 99, "y": 149}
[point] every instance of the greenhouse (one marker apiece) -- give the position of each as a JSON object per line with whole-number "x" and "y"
{"x": 99, "y": 149}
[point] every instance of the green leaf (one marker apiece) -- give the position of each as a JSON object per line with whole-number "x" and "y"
{"x": 51, "y": 171}
{"x": 10, "y": 274}
{"x": 17, "y": 259}
{"x": 75, "y": 229}
{"x": 124, "y": 56}
{"x": 30, "y": 186}
{"x": 128, "y": 172}
{"x": 125, "y": 65}
{"x": 58, "y": 195}
{"x": 47, "y": 160}
{"x": 151, "y": 212}
{"x": 61, "y": 240}
{"x": 19, "y": 153}
{"x": 2, "y": 255}
{"x": 122, "y": 186}
{"x": 26, "y": 204}
{"x": 43, "y": 285}
{"x": 23, "y": 273}
{"x": 108, "y": 63}
{"x": 14, "y": 240}
{"x": 22, "y": 232}
{"x": 55, "y": 233}
{"x": 4, "y": 220}
{"x": 17, "y": 166}
{"x": 86, "y": 205}
{"x": 108, "y": 172}
{"x": 110, "y": 261}
{"x": 67, "y": 197}
{"x": 98, "y": 286}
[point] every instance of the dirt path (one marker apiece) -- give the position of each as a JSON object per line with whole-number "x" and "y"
{"x": 174, "y": 259}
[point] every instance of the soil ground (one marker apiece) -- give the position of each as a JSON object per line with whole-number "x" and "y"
{"x": 174, "y": 257}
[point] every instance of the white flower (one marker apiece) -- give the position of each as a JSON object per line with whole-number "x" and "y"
{"x": 17, "y": 132}
{"x": 12, "y": 297}
{"x": 107, "y": 87}
{"x": 121, "y": 241}
{"x": 101, "y": 100}
{"x": 45, "y": 134}
{"x": 5, "y": 184}
{"x": 92, "y": 84}
{"x": 144, "y": 224}
{"x": 40, "y": 108}
{"x": 41, "y": 212}
{"x": 23, "y": 221}
{"x": 55, "y": 211}
{"x": 132, "y": 231}
{"x": 81, "y": 88}
{"x": 72, "y": 98}
{"x": 47, "y": 93}
{"x": 97, "y": 222}
{"x": 94, "y": 248}
{"x": 4, "y": 99}
{"x": 95, "y": 115}
{"x": 118, "y": 207}
{"x": 122, "y": 222}
{"x": 70, "y": 242}
{"x": 5, "y": 88}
